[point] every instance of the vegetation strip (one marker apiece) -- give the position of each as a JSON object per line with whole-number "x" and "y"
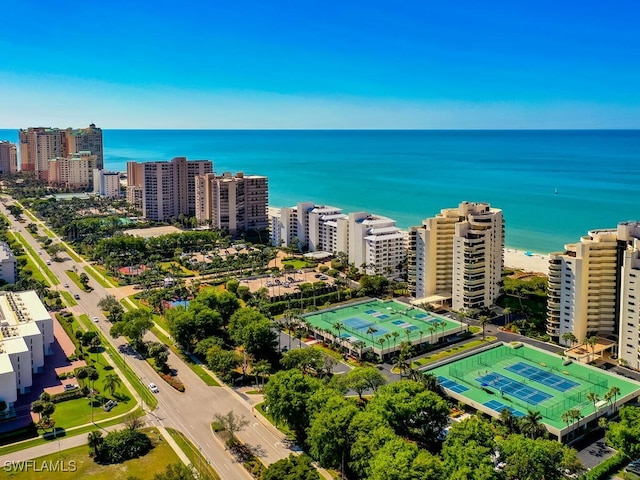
{"x": 199, "y": 462}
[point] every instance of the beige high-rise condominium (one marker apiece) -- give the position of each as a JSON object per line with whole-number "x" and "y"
{"x": 168, "y": 188}
{"x": 233, "y": 203}
{"x": 458, "y": 255}
{"x": 74, "y": 171}
{"x": 39, "y": 145}
{"x": 8, "y": 157}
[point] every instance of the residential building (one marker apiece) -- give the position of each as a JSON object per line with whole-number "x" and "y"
{"x": 275, "y": 228}
{"x": 85, "y": 140}
{"x": 233, "y": 203}
{"x": 37, "y": 147}
{"x": 73, "y": 172}
{"x": 168, "y": 188}
{"x": 106, "y": 184}
{"x": 312, "y": 226}
{"x": 135, "y": 182}
{"x": 582, "y": 289}
{"x": 373, "y": 243}
{"x": 8, "y": 157}
{"x": 629, "y": 316}
{"x": 457, "y": 256}
{"x": 8, "y": 264}
{"x": 26, "y": 337}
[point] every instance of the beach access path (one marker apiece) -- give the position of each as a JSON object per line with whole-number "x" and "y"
{"x": 534, "y": 262}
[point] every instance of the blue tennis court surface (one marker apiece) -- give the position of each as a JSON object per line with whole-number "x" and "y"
{"x": 451, "y": 385}
{"x": 542, "y": 376}
{"x": 357, "y": 323}
{"x": 397, "y": 322}
{"x": 420, "y": 316}
{"x": 499, "y": 407}
{"x": 511, "y": 387}
{"x": 380, "y": 331}
{"x": 370, "y": 312}
{"x": 411, "y": 328}
{"x": 383, "y": 316}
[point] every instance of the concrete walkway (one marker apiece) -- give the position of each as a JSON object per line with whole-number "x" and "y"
{"x": 172, "y": 443}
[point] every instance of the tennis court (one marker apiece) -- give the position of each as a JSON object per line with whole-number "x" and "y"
{"x": 383, "y": 325}
{"x": 520, "y": 377}
{"x": 513, "y": 387}
{"x": 537, "y": 374}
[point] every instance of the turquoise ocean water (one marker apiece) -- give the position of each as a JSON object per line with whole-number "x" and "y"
{"x": 411, "y": 175}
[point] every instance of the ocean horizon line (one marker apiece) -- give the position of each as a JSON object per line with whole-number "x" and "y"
{"x": 385, "y": 129}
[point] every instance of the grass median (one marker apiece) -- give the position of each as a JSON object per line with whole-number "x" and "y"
{"x": 199, "y": 462}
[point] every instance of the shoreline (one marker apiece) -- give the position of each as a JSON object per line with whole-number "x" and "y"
{"x": 526, "y": 260}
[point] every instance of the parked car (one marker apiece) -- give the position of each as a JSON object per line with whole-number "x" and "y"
{"x": 154, "y": 388}
{"x": 70, "y": 386}
{"x": 76, "y": 296}
{"x": 109, "y": 405}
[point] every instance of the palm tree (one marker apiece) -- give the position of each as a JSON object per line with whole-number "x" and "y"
{"x": 531, "y": 426}
{"x": 338, "y": 326}
{"x": 566, "y": 418}
{"x": 259, "y": 369}
{"x": 576, "y": 415}
{"x": 569, "y": 337}
{"x": 593, "y": 398}
{"x": 592, "y": 341}
{"x": 483, "y": 320}
{"x": 95, "y": 442}
{"x": 615, "y": 391}
{"x": 421, "y": 333}
{"x": 509, "y": 421}
{"x": 111, "y": 383}
{"x": 359, "y": 344}
{"x": 431, "y": 330}
{"x": 381, "y": 341}
{"x": 395, "y": 335}
{"x": 371, "y": 331}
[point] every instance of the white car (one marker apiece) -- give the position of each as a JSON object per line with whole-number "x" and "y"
{"x": 95, "y": 319}
{"x": 153, "y": 387}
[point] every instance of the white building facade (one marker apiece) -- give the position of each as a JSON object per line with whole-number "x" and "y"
{"x": 26, "y": 337}
{"x": 8, "y": 264}
{"x": 106, "y": 184}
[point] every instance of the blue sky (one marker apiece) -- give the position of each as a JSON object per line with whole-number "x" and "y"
{"x": 320, "y": 64}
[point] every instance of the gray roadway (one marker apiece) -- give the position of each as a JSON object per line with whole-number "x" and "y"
{"x": 190, "y": 412}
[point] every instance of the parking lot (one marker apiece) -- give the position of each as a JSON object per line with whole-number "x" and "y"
{"x": 286, "y": 282}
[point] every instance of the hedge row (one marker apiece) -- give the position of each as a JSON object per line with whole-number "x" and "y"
{"x": 606, "y": 468}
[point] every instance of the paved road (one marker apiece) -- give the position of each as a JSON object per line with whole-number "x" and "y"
{"x": 190, "y": 412}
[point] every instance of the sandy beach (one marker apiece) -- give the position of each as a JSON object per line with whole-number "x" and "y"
{"x": 535, "y": 262}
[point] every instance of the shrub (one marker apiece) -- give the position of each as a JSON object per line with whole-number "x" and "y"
{"x": 173, "y": 381}
{"x": 606, "y": 468}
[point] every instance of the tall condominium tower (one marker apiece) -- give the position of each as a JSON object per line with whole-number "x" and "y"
{"x": 168, "y": 188}
{"x": 8, "y": 157}
{"x": 74, "y": 171}
{"x": 37, "y": 147}
{"x": 234, "y": 203}
{"x": 594, "y": 288}
{"x": 86, "y": 140}
{"x": 458, "y": 255}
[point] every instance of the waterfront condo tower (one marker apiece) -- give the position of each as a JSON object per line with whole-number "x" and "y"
{"x": 458, "y": 256}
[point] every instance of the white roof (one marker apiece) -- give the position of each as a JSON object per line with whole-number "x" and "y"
{"x": 5, "y": 364}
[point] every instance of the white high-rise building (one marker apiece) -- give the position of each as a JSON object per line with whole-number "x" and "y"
{"x": 106, "y": 184}
{"x": 373, "y": 243}
{"x": 629, "y": 329}
{"x": 26, "y": 337}
{"x": 8, "y": 264}
{"x": 458, "y": 254}
{"x": 582, "y": 291}
{"x": 310, "y": 225}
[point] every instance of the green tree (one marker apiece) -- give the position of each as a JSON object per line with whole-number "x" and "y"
{"x": 531, "y": 425}
{"x": 483, "y": 321}
{"x": 286, "y": 396}
{"x": 369, "y": 432}
{"x": 134, "y": 324}
{"x": 593, "y": 398}
{"x": 624, "y": 435}
{"x": 95, "y": 442}
{"x": 306, "y": 360}
{"x": 361, "y": 379}
{"x": 328, "y": 433}
{"x": 399, "y": 459}
{"x": 113, "y": 308}
{"x": 295, "y": 467}
{"x": 411, "y": 410}
{"x": 528, "y": 459}
{"x": 251, "y": 329}
{"x": 222, "y": 361}
{"x": 160, "y": 354}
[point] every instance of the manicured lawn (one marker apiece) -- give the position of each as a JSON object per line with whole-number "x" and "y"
{"x": 103, "y": 271}
{"x": 297, "y": 264}
{"x": 195, "y": 457}
{"x": 68, "y": 298}
{"x": 144, "y": 468}
{"x": 91, "y": 271}
{"x": 78, "y": 431}
{"x": 40, "y": 269}
{"x": 75, "y": 278}
{"x": 281, "y": 426}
